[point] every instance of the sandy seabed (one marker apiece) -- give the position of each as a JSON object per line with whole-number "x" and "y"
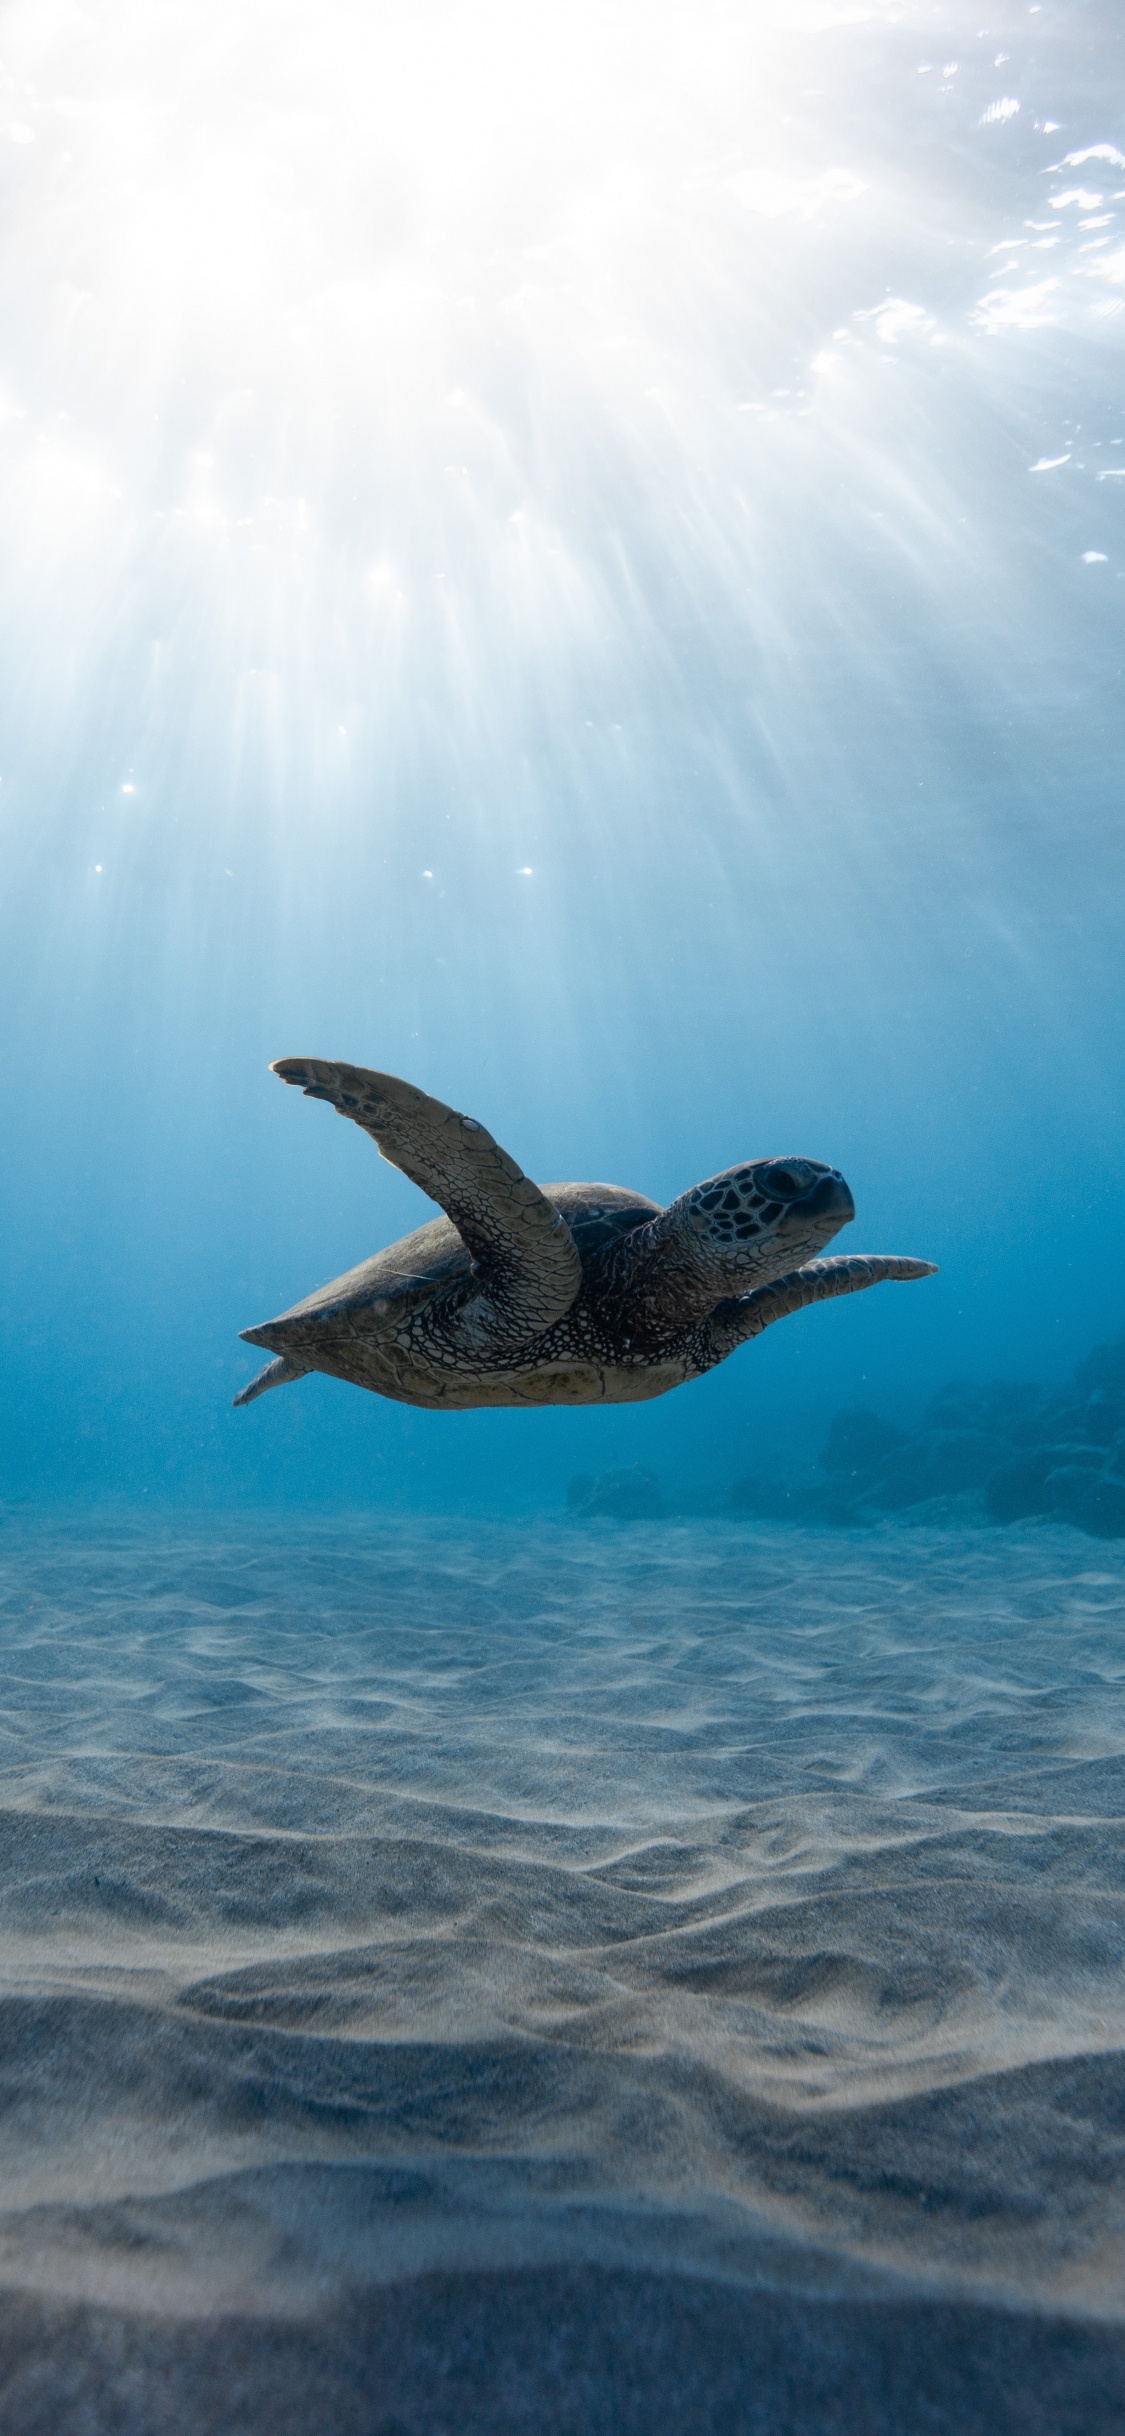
{"x": 564, "y": 1979}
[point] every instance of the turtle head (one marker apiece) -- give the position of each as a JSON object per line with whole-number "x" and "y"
{"x": 756, "y": 1222}
{"x": 733, "y": 1233}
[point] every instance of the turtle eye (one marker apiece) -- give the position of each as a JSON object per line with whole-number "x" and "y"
{"x": 781, "y": 1179}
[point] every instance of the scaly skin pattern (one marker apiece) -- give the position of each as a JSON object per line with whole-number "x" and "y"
{"x": 431, "y": 1356}
{"x": 402, "y": 1324}
{"x": 554, "y": 1294}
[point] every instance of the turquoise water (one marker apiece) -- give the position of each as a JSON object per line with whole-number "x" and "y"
{"x": 578, "y": 563}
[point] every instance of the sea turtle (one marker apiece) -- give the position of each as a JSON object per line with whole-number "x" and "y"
{"x": 560, "y": 1294}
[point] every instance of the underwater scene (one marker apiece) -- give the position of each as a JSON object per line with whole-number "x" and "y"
{"x": 562, "y": 1641}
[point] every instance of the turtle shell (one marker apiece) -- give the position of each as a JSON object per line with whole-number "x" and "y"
{"x": 382, "y": 1291}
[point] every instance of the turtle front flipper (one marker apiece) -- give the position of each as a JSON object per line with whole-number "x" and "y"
{"x": 745, "y": 1315}
{"x": 522, "y": 1250}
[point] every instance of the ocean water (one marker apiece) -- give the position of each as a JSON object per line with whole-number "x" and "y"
{"x": 574, "y": 557}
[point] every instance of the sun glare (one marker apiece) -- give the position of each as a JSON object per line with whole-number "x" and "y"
{"x": 419, "y": 405}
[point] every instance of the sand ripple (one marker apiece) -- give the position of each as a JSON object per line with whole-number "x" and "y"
{"x": 433, "y": 1908}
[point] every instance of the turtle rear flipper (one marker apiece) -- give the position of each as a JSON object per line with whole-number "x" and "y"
{"x": 275, "y": 1374}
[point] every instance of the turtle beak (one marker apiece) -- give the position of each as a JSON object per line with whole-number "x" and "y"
{"x": 829, "y": 1198}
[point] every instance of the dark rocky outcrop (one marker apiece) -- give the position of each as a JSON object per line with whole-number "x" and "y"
{"x": 1007, "y": 1451}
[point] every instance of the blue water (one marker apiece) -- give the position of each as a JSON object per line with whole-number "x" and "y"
{"x": 574, "y": 556}
{"x": 578, "y": 562}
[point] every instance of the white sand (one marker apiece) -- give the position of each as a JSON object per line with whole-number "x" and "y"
{"x": 560, "y": 1978}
